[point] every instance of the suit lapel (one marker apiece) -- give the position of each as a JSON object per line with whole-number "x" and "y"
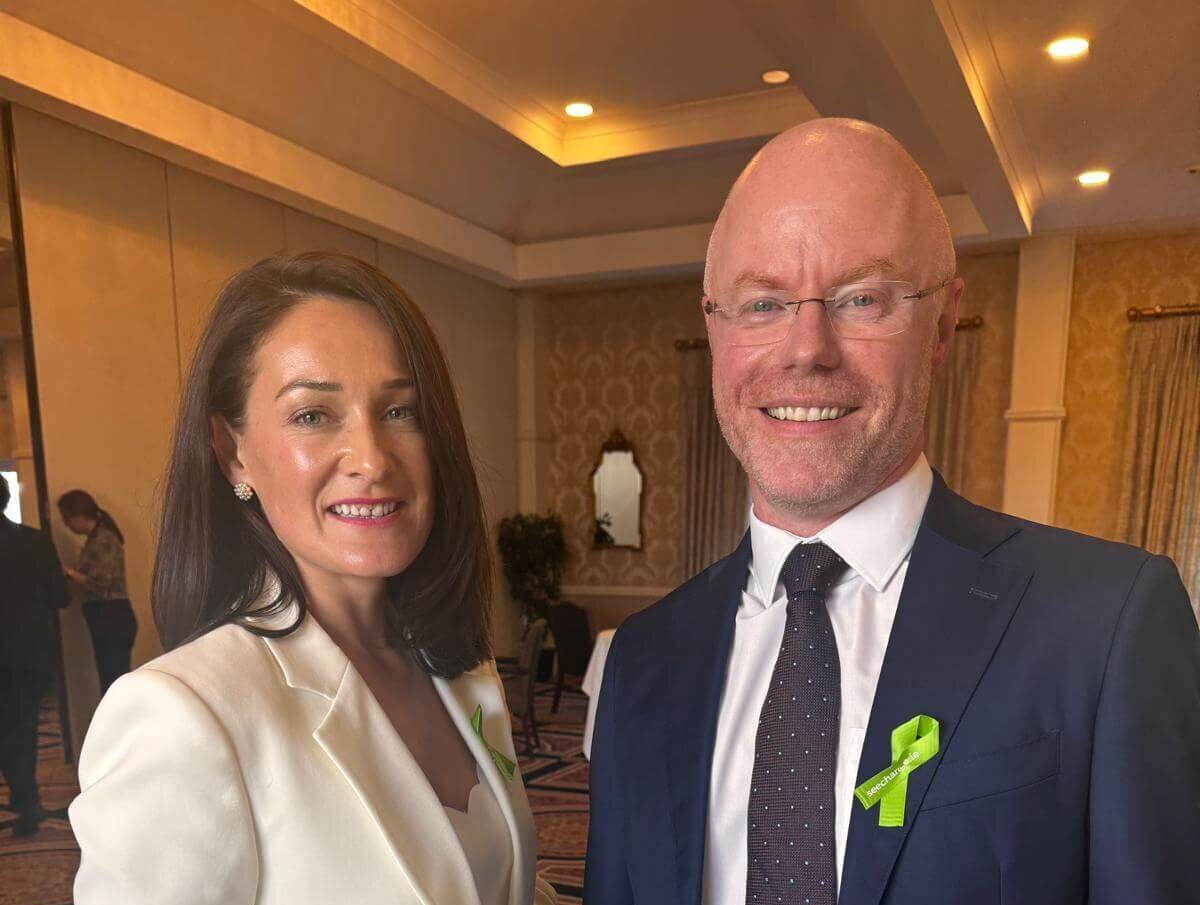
{"x": 702, "y": 635}
{"x": 361, "y": 742}
{"x": 953, "y": 611}
{"x": 481, "y": 688}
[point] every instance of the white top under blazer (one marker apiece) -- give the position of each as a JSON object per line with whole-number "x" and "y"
{"x": 239, "y": 769}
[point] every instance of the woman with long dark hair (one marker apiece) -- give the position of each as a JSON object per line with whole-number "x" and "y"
{"x": 101, "y": 574}
{"x": 328, "y": 725}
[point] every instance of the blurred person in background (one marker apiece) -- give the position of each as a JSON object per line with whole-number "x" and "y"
{"x": 101, "y": 576}
{"x": 31, "y": 589}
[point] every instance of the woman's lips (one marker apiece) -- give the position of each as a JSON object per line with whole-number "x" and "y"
{"x": 367, "y": 513}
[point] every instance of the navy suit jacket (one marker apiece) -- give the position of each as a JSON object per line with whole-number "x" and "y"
{"x": 1065, "y": 674}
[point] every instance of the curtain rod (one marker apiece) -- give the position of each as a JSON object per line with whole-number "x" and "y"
{"x": 1157, "y": 311}
{"x": 688, "y": 345}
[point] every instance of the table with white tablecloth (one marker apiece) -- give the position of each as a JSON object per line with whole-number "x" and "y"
{"x": 591, "y": 683}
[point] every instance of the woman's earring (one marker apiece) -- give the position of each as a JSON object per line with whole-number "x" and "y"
{"x": 243, "y": 491}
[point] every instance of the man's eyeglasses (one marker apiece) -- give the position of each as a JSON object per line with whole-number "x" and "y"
{"x": 868, "y": 309}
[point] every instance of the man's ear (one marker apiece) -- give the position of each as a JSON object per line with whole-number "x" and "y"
{"x": 224, "y": 442}
{"x": 948, "y": 321}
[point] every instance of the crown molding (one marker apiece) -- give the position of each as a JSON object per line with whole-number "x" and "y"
{"x": 967, "y": 34}
{"x": 708, "y": 122}
{"x": 402, "y": 47}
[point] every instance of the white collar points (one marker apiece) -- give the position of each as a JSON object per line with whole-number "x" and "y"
{"x": 874, "y": 537}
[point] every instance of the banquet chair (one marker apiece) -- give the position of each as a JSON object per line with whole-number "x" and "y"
{"x": 572, "y": 643}
{"x": 520, "y": 682}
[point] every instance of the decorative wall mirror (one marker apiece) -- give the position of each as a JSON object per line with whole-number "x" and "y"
{"x": 617, "y": 491}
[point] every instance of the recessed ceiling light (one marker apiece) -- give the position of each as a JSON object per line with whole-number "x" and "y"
{"x": 578, "y": 109}
{"x": 1068, "y": 48}
{"x": 776, "y": 76}
{"x": 1094, "y": 177}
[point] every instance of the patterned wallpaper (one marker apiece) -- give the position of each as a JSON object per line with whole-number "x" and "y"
{"x": 991, "y": 293}
{"x": 613, "y": 363}
{"x": 1110, "y": 277}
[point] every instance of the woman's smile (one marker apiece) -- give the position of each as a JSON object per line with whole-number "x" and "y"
{"x": 366, "y": 512}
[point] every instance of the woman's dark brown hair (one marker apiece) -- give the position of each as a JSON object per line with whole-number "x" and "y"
{"x": 216, "y": 554}
{"x": 82, "y": 503}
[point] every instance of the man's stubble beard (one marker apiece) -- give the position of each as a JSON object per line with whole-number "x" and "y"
{"x": 849, "y": 473}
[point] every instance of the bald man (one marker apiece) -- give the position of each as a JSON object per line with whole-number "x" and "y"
{"x": 886, "y": 694}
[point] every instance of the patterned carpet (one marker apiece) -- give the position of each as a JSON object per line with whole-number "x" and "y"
{"x": 39, "y": 869}
{"x": 556, "y": 779}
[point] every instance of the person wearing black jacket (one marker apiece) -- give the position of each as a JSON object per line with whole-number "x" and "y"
{"x": 32, "y": 586}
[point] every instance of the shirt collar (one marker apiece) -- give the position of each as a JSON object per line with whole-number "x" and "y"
{"x": 874, "y": 537}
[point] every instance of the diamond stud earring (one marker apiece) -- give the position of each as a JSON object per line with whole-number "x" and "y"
{"x": 243, "y": 491}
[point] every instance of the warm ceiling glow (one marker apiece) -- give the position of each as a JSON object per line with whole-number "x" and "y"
{"x": 578, "y": 109}
{"x": 776, "y": 76}
{"x": 1094, "y": 177}
{"x": 1068, "y": 48}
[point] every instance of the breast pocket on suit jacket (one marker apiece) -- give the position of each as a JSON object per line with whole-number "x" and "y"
{"x": 993, "y": 772}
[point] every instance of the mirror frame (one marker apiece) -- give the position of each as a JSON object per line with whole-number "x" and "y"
{"x": 617, "y": 442}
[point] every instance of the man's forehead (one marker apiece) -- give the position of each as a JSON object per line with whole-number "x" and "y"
{"x": 805, "y": 250}
{"x": 878, "y": 267}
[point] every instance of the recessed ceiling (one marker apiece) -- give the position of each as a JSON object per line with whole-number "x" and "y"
{"x": 626, "y": 56}
{"x": 459, "y": 105}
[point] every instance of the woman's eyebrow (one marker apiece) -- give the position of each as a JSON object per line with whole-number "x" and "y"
{"x": 321, "y": 386}
{"x": 327, "y": 386}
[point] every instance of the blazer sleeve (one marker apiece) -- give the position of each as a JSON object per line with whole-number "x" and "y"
{"x": 606, "y": 872}
{"x": 1145, "y": 782}
{"x": 163, "y": 817}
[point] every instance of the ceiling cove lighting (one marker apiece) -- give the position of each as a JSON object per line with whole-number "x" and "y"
{"x": 578, "y": 109}
{"x": 1093, "y": 178}
{"x": 1068, "y": 48}
{"x": 776, "y": 76}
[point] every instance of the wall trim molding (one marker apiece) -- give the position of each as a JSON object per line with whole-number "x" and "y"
{"x": 1035, "y": 414}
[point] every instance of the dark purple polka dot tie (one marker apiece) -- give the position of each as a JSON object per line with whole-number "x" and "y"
{"x": 790, "y": 839}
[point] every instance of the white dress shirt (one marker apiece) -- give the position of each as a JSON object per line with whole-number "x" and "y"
{"x": 875, "y": 539}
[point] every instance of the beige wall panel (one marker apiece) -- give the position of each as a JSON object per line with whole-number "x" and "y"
{"x": 476, "y": 324}
{"x": 304, "y": 232}
{"x": 96, "y": 238}
{"x": 1045, "y": 271}
{"x": 1030, "y": 473}
{"x": 216, "y": 230}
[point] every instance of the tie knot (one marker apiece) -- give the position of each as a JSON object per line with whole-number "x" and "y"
{"x": 811, "y": 569}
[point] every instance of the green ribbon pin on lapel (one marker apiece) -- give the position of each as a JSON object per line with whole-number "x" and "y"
{"x": 503, "y": 764}
{"x": 913, "y": 743}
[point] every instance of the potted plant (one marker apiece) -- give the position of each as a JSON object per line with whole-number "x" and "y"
{"x": 533, "y": 550}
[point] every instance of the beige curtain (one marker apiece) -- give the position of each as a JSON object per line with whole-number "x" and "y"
{"x": 948, "y": 419}
{"x": 715, "y": 506}
{"x": 1160, "y": 467}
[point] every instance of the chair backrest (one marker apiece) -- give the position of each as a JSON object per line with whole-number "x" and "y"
{"x": 531, "y": 653}
{"x": 572, "y": 637}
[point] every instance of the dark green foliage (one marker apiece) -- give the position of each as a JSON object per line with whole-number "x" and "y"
{"x": 534, "y": 551}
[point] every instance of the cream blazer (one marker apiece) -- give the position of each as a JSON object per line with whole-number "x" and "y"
{"x": 240, "y": 769}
